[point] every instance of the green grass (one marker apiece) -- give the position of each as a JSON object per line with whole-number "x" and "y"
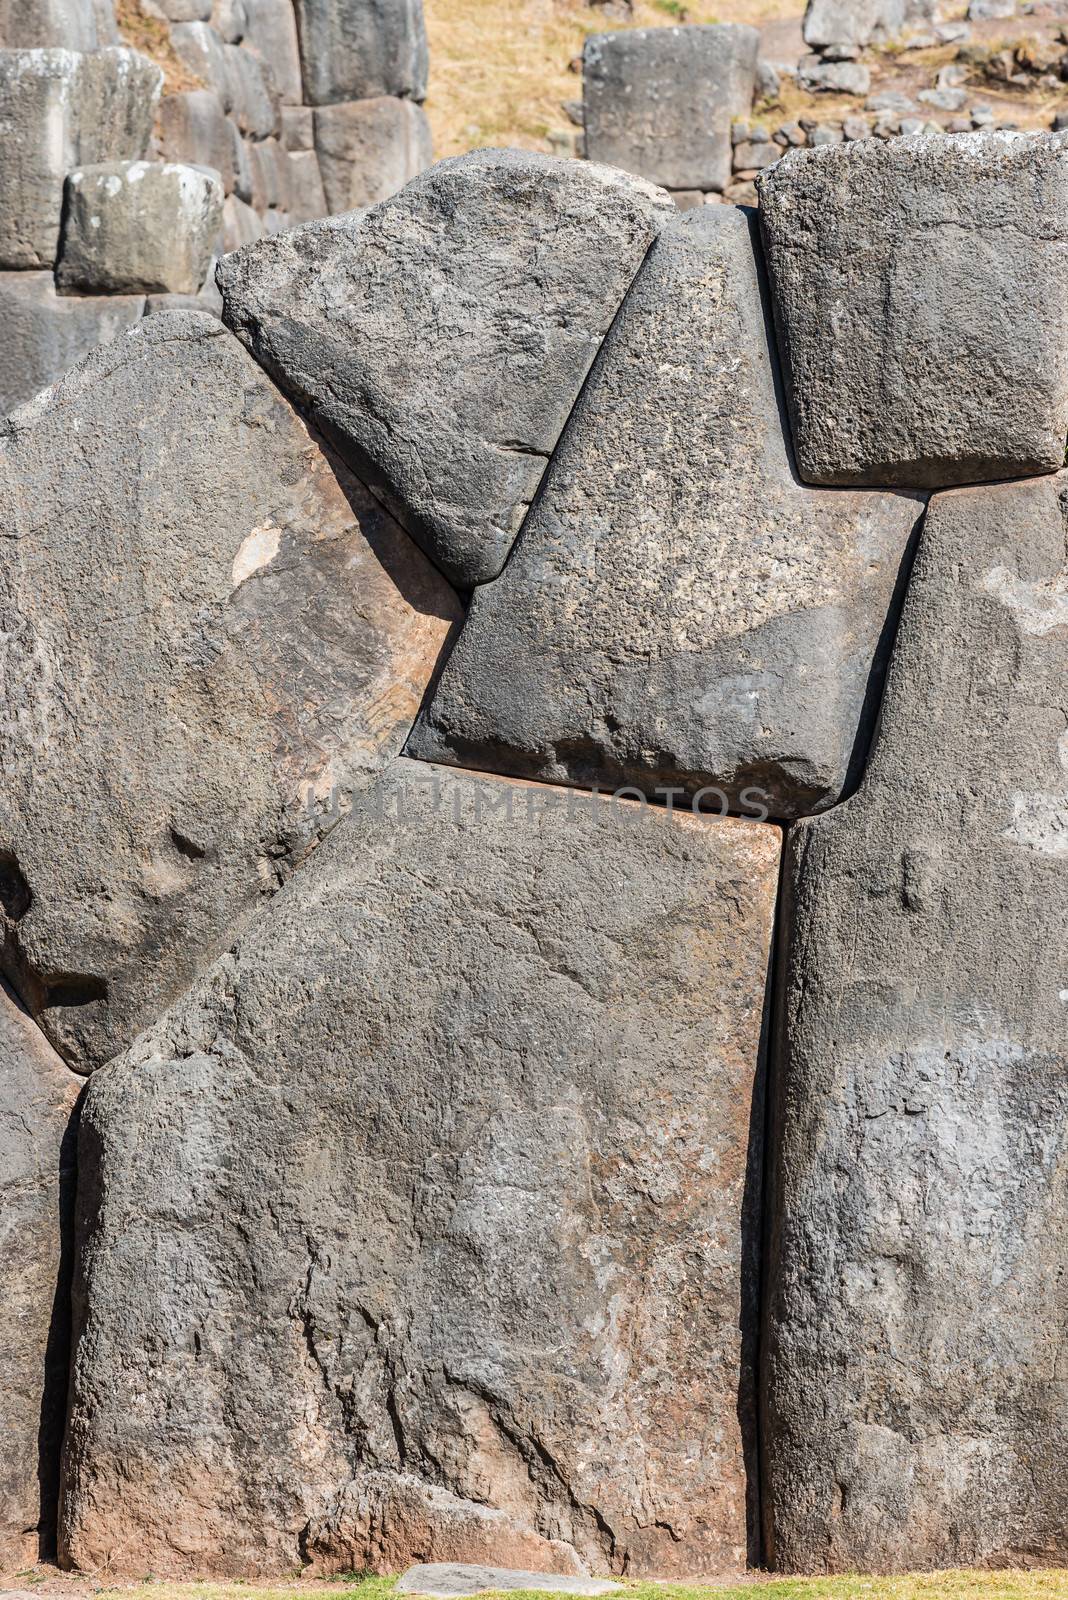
{"x": 975, "y": 1585}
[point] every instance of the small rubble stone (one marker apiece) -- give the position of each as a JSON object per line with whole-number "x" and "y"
{"x": 855, "y": 128}
{"x": 139, "y": 227}
{"x": 767, "y": 85}
{"x": 753, "y": 157}
{"x": 944, "y": 99}
{"x": 446, "y": 1580}
{"x": 351, "y": 50}
{"x": 364, "y": 317}
{"x": 946, "y": 263}
{"x": 789, "y": 133}
{"x": 833, "y": 77}
{"x": 990, "y": 10}
{"x": 369, "y": 149}
{"x": 660, "y": 101}
{"x": 911, "y": 126}
{"x": 890, "y": 100}
{"x": 825, "y": 133}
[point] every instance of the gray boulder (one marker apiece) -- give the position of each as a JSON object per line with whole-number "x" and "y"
{"x": 58, "y": 109}
{"x": 660, "y": 101}
{"x": 917, "y": 1352}
{"x": 323, "y": 1261}
{"x": 417, "y": 335}
{"x": 194, "y": 128}
{"x": 37, "y": 1098}
{"x": 851, "y": 24}
{"x": 271, "y": 31}
{"x": 215, "y": 627}
{"x": 679, "y": 611}
{"x": 920, "y": 288}
{"x": 133, "y": 227}
{"x": 359, "y": 49}
{"x": 369, "y": 149}
{"x": 833, "y": 77}
{"x": 46, "y": 333}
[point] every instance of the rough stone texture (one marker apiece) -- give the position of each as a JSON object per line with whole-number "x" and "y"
{"x": 503, "y": 1073}
{"x": 660, "y": 101}
{"x": 60, "y": 109}
{"x": 37, "y": 1096}
{"x": 444, "y": 1579}
{"x": 358, "y": 49}
{"x": 271, "y": 30}
{"x": 420, "y": 339}
{"x": 139, "y": 227}
{"x": 31, "y": 24}
{"x": 46, "y": 333}
{"x": 194, "y": 128}
{"x": 211, "y": 626}
{"x": 917, "y": 1364}
{"x": 309, "y": 196}
{"x": 253, "y": 98}
{"x": 678, "y": 609}
{"x": 921, "y": 302}
{"x": 368, "y": 149}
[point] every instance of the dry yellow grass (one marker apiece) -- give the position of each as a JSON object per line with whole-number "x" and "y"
{"x": 500, "y": 68}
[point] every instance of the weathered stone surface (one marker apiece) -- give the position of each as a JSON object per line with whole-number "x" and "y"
{"x": 306, "y": 185}
{"x": 418, "y": 336}
{"x": 194, "y": 128}
{"x": 323, "y": 1259}
{"x": 833, "y": 77}
{"x": 660, "y": 101}
{"x": 241, "y": 225}
{"x": 211, "y": 626}
{"x": 444, "y": 1579}
{"x": 139, "y": 227}
{"x": 271, "y": 30}
{"x": 253, "y": 95}
{"x": 368, "y": 149}
{"x": 917, "y": 1346}
{"x": 58, "y": 109}
{"x": 45, "y": 24}
{"x": 851, "y": 23}
{"x": 37, "y": 1097}
{"x": 921, "y": 302}
{"x": 359, "y": 49}
{"x": 679, "y": 610}
{"x": 45, "y": 333}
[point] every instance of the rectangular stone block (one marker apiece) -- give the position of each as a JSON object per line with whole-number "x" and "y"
{"x": 145, "y": 227}
{"x": 46, "y": 333}
{"x": 194, "y": 127}
{"x": 60, "y": 108}
{"x": 37, "y": 1154}
{"x": 271, "y": 31}
{"x": 361, "y": 49}
{"x": 660, "y": 101}
{"x": 368, "y": 149}
{"x": 916, "y": 1346}
{"x": 920, "y": 288}
{"x": 428, "y": 1221}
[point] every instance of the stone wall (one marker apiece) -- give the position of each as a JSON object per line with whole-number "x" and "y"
{"x": 123, "y": 186}
{"x": 536, "y": 794}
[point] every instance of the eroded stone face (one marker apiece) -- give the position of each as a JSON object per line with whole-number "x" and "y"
{"x": 60, "y": 108}
{"x": 139, "y": 227}
{"x": 679, "y": 612}
{"x": 37, "y": 1141}
{"x": 921, "y": 302}
{"x": 357, "y": 49}
{"x": 208, "y": 627}
{"x": 916, "y": 1343}
{"x": 426, "y": 1223}
{"x": 422, "y": 341}
{"x": 45, "y": 333}
{"x": 660, "y": 101}
{"x": 369, "y": 149}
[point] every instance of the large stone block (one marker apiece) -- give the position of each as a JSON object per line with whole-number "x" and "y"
{"x": 660, "y": 101}
{"x": 419, "y": 337}
{"x": 49, "y": 24}
{"x": 369, "y": 149}
{"x": 851, "y": 24}
{"x": 58, "y": 109}
{"x": 917, "y": 1341}
{"x": 678, "y": 610}
{"x": 215, "y": 625}
{"x": 429, "y": 1216}
{"x": 139, "y": 227}
{"x": 194, "y": 128}
{"x": 359, "y": 49}
{"x": 271, "y": 30}
{"x": 921, "y": 301}
{"x": 46, "y": 333}
{"x": 37, "y": 1098}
